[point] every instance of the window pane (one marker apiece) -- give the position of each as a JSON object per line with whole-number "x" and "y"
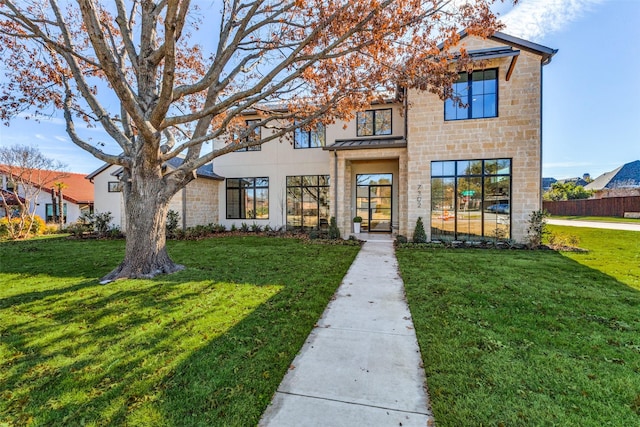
{"x": 318, "y": 137}
{"x": 442, "y": 208}
{"x": 324, "y": 180}
{"x": 293, "y": 180}
{"x": 443, "y": 168}
{"x": 477, "y": 106}
{"x": 262, "y": 182}
{"x": 469, "y": 213}
{"x": 490, "y": 106}
{"x": 310, "y": 180}
{"x": 261, "y": 203}
{"x": 383, "y": 122}
{"x": 449, "y": 110}
{"x": 365, "y": 123}
{"x": 294, "y": 207}
{"x": 301, "y": 138}
{"x": 233, "y": 204}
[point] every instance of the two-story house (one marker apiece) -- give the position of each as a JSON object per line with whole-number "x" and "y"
{"x": 471, "y": 171}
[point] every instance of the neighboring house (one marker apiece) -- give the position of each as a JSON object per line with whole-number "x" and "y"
{"x": 547, "y": 183}
{"x": 578, "y": 181}
{"x": 197, "y": 203}
{"x": 620, "y": 182}
{"x": 409, "y": 157}
{"x": 77, "y": 194}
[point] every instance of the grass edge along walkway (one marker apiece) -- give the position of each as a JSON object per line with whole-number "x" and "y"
{"x": 206, "y": 346}
{"x": 528, "y": 338}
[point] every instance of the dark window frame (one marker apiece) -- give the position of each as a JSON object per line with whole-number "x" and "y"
{"x": 302, "y": 187}
{"x": 257, "y": 133}
{"x": 483, "y": 175}
{"x": 48, "y": 212}
{"x": 249, "y": 211}
{"x": 114, "y": 186}
{"x": 297, "y": 145}
{"x": 374, "y": 113}
{"x": 451, "y": 103}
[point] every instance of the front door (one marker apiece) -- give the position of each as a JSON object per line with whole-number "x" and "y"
{"x": 373, "y": 201}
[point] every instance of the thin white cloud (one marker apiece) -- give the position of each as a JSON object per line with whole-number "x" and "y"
{"x": 61, "y": 138}
{"x": 533, "y": 19}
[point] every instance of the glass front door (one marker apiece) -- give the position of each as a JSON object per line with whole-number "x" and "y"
{"x": 373, "y": 201}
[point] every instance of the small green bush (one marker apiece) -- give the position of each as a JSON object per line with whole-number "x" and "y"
{"x": 334, "y": 231}
{"x": 419, "y": 235}
{"x": 401, "y": 239}
{"x": 172, "y": 222}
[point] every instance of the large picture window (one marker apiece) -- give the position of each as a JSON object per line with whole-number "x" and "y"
{"x": 308, "y": 201}
{"x": 471, "y": 199}
{"x": 374, "y": 122}
{"x": 254, "y": 136}
{"x": 478, "y": 91}
{"x": 248, "y": 198}
{"x": 309, "y": 138}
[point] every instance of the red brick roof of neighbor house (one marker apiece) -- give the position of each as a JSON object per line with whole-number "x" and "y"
{"x": 78, "y": 190}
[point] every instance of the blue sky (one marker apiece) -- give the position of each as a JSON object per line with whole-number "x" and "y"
{"x": 591, "y": 114}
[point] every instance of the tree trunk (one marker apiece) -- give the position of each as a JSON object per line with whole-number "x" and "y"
{"x": 146, "y": 206}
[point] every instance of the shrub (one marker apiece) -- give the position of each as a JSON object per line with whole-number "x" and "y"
{"x": 334, "y": 231}
{"x": 244, "y": 227}
{"x": 419, "y": 235}
{"x": 15, "y": 228}
{"x": 172, "y": 222}
{"x": 233, "y": 227}
{"x": 102, "y": 222}
{"x": 256, "y": 228}
{"x": 401, "y": 239}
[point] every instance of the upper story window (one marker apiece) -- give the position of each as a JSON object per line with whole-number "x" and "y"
{"x": 374, "y": 122}
{"x": 114, "y": 186}
{"x": 309, "y": 138}
{"x": 478, "y": 91}
{"x": 255, "y": 136}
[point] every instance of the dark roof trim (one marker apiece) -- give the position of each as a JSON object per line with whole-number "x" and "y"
{"x": 361, "y": 144}
{"x": 545, "y": 52}
{"x": 97, "y": 172}
{"x": 493, "y": 52}
{"x": 205, "y": 171}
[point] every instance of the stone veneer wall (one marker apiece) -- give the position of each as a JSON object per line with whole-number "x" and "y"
{"x": 515, "y": 134}
{"x": 201, "y": 197}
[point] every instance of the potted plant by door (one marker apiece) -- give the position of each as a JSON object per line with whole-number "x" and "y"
{"x": 357, "y": 221}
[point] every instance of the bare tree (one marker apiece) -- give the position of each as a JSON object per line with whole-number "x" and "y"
{"x": 29, "y": 172}
{"x": 291, "y": 62}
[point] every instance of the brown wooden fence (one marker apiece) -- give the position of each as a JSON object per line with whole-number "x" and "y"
{"x": 611, "y": 206}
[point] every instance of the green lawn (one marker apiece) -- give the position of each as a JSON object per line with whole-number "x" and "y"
{"x": 527, "y": 338}
{"x": 206, "y": 346}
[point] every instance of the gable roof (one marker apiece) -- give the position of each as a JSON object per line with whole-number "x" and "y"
{"x": 545, "y": 52}
{"x": 205, "y": 171}
{"x": 78, "y": 190}
{"x": 625, "y": 176}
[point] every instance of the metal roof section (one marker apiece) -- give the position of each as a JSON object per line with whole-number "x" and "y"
{"x": 364, "y": 143}
{"x": 492, "y": 53}
{"x": 205, "y": 171}
{"x": 545, "y": 52}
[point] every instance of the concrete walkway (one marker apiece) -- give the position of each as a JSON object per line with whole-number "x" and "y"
{"x": 361, "y": 365}
{"x": 596, "y": 224}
